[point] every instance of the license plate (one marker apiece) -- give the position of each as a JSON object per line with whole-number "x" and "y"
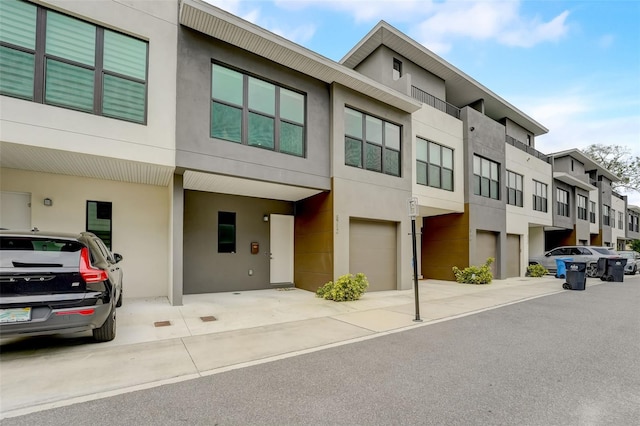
{"x": 15, "y": 315}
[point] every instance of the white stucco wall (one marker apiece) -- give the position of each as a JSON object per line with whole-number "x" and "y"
{"x": 140, "y": 220}
{"x": 618, "y": 205}
{"x": 26, "y": 122}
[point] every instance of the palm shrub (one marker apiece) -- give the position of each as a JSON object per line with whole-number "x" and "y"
{"x": 475, "y": 274}
{"x": 346, "y": 288}
{"x": 536, "y": 270}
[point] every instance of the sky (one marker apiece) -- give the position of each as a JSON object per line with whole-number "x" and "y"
{"x": 572, "y": 65}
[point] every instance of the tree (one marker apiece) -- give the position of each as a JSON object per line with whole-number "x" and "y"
{"x": 635, "y": 245}
{"x": 619, "y": 161}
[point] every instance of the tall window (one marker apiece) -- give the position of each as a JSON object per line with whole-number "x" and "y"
{"x": 620, "y": 220}
{"x": 514, "y": 189}
{"x": 634, "y": 223}
{"x": 48, "y": 57}
{"x": 562, "y": 202}
{"x": 371, "y": 143}
{"x": 612, "y": 218}
{"x": 592, "y": 211}
{"x": 434, "y": 165}
{"x": 605, "y": 215}
{"x": 99, "y": 214}
{"x": 582, "y": 207}
{"x": 226, "y": 232}
{"x": 539, "y": 196}
{"x": 397, "y": 69}
{"x": 254, "y": 112}
{"x": 486, "y": 178}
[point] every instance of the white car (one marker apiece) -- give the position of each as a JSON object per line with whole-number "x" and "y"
{"x": 587, "y": 254}
{"x": 633, "y": 261}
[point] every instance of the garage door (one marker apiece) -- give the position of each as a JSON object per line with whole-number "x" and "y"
{"x": 513, "y": 255}
{"x": 486, "y": 247}
{"x": 373, "y": 251}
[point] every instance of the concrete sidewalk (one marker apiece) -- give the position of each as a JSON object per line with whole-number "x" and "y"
{"x": 158, "y": 343}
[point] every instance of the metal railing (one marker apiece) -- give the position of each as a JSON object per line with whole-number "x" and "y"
{"x": 526, "y": 148}
{"x": 429, "y": 99}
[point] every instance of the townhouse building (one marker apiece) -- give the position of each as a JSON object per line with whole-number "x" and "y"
{"x": 633, "y": 223}
{"x": 217, "y": 156}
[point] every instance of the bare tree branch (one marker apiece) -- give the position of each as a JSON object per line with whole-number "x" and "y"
{"x": 619, "y": 161}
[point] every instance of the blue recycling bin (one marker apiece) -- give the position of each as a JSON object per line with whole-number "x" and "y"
{"x": 561, "y": 267}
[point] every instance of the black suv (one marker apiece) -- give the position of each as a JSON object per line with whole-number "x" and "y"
{"x": 52, "y": 283}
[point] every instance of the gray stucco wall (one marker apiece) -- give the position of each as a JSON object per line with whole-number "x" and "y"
{"x": 569, "y": 165}
{"x": 518, "y": 132}
{"x": 563, "y": 221}
{"x": 195, "y": 149}
{"x": 206, "y": 270}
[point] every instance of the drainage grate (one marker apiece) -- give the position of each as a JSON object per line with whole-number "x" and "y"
{"x": 162, "y": 323}
{"x": 208, "y": 318}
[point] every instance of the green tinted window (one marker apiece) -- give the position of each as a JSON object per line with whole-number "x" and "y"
{"x": 392, "y": 136}
{"x": 125, "y": 55}
{"x": 392, "y": 162}
{"x": 353, "y": 123}
{"x": 261, "y": 131}
{"x": 291, "y": 106}
{"x": 123, "y": 99}
{"x": 18, "y": 23}
{"x": 71, "y": 38}
{"x": 69, "y": 85}
{"x": 353, "y": 152}
{"x": 16, "y": 69}
{"x": 226, "y": 122}
{"x": 374, "y": 130}
{"x": 262, "y": 96}
{"x": 227, "y": 85}
{"x": 291, "y": 139}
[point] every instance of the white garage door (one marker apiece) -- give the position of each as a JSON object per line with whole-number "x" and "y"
{"x": 373, "y": 251}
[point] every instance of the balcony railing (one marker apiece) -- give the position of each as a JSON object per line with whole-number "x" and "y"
{"x": 615, "y": 194}
{"x": 429, "y": 99}
{"x": 526, "y": 148}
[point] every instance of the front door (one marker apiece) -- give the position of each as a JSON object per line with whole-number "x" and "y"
{"x": 15, "y": 210}
{"x": 281, "y": 249}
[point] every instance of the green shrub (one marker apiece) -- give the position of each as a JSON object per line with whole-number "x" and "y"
{"x": 536, "y": 270}
{"x": 346, "y": 288}
{"x": 475, "y": 274}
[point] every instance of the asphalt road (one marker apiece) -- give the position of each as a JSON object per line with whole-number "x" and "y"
{"x": 567, "y": 359}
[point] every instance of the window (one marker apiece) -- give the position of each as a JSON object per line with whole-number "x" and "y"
{"x": 562, "y": 202}
{"x": 605, "y": 215}
{"x": 99, "y": 214}
{"x": 539, "y": 196}
{"x": 612, "y": 218}
{"x": 226, "y": 232}
{"x": 254, "y": 112}
{"x": 582, "y": 207}
{"x": 592, "y": 211}
{"x": 371, "y": 143}
{"x": 434, "y": 165}
{"x": 633, "y": 223}
{"x": 620, "y": 220}
{"x": 48, "y": 57}
{"x": 397, "y": 69}
{"x": 486, "y": 178}
{"x": 514, "y": 189}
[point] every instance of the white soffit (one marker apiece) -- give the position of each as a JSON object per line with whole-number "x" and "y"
{"x": 227, "y": 27}
{"x": 249, "y": 188}
{"x": 37, "y": 159}
{"x": 573, "y": 181}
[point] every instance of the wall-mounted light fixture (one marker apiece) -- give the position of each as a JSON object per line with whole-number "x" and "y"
{"x": 48, "y": 202}
{"x": 471, "y": 129}
{"x": 265, "y": 218}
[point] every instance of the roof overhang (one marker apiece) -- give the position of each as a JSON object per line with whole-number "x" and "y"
{"x": 209, "y": 182}
{"x": 589, "y": 163}
{"x": 231, "y": 29}
{"x": 461, "y": 89}
{"x": 573, "y": 181}
{"x": 46, "y": 160}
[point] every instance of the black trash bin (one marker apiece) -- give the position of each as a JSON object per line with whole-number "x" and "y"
{"x": 615, "y": 269}
{"x": 601, "y": 269}
{"x": 576, "y": 276}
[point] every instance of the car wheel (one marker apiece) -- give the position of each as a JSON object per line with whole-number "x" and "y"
{"x": 107, "y": 332}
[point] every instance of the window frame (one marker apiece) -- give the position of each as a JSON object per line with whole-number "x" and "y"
{"x": 512, "y": 193}
{"x": 428, "y": 164}
{"x": 41, "y": 59}
{"x": 226, "y": 218}
{"x": 606, "y": 211}
{"x": 247, "y": 112}
{"x": 364, "y": 143}
{"x": 592, "y": 212}
{"x": 480, "y": 181}
{"x": 99, "y": 232}
{"x": 582, "y": 207}
{"x": 562, "y": 202}
{"x": 540, "y": 196}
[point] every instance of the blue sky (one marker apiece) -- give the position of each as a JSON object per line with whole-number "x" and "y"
{"x": 574, "y": 66}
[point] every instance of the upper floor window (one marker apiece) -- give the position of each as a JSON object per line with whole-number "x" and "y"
{"x": 592, "y": 211}
{"x": 612, "y": 218}
{"x": 539, "y": 196}
{"x": 371, "y": 143}
{"x": 51, "y": 58}
{"x": 434, "y": 165}
{"x": 486, "y": 178}
{"x": 582, "y": 207}
{"x": 562, "y": 202}
{"x": 254, "y": 112}
{"x": 514, "y": 189}
{"x": 634, "y": 223}
{"x": 397, "y": 69}
{"x": 605, "y": 215}
{"x": 620, "y": 220}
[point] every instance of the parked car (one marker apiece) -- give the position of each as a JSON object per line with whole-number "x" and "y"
{"x": 587, "y": 254}
{"x": 633, "y": 261}
{"x": 53, "y": 283}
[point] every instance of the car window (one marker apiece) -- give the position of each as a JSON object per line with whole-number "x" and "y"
{"x": 556, "y": 252}
{"x": 30, "y": 252}
{"x": 575, "y": 251}
{"x": 104, "y": 250}
{"x": 604, "y": 251}
{"x": 585, "y": 251}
